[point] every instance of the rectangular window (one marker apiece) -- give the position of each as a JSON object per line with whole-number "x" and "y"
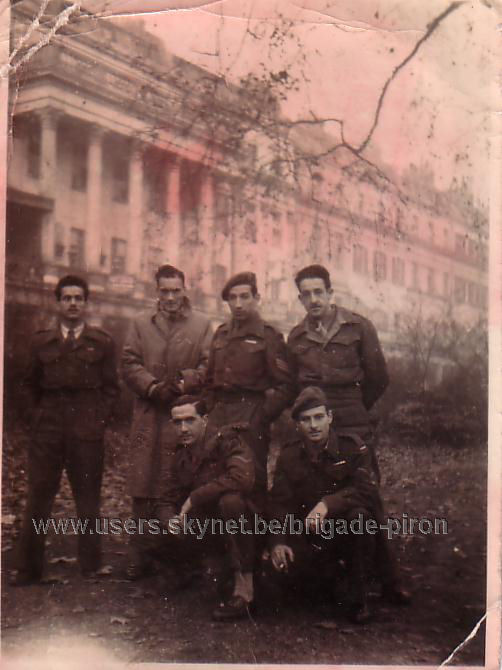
{"x": 275, "y": 289}
{"x": 33, "y": 150}
{"x": 360, "y": 263}
{"x": 219, "y": 278}
{"x": 79, "y": 167}
{"x": 431, "y": 282}
{"x": 379, "y": 266}
{"x": 483, "y": 296}
{"x": 446, "y": 285}
{"x": 154, "y": 260}
{"x": 339, "y": 250}
{"x": 460, "y": 290}
{"x": 119, "y": 255}
{"x": 222, "y": 211}
{"x": 460, "y": 242}
{"x": 415, "y": 276}
{"x": 77, "y": 248}
{"x": 120, "y": 180}
{"x": 398, "y": 271}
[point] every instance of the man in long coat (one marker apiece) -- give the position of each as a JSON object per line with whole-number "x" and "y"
{"x": 165, "y": 356}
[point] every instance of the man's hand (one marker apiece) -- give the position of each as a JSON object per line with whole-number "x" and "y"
{"x": 161, "y": 393}
{"x": 280, "y": 556}
{"x": 186, "y": 507}
{"x": 316, "y": 515}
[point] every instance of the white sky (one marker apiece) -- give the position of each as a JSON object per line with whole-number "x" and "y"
{"x": 437, "y": 109}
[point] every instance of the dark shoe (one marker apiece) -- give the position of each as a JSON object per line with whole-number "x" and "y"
{"x": 360, "y": 613}
{"x": 397, "y": 596}
{"x": 24, "y": 579}
{"x": 234, "y": 609}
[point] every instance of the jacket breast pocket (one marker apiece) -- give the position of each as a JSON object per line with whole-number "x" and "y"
{"x": 249, "y": 360}
{"x": 343, "y": 352}
{"x": 90, "y": 354}
{"x": 308, "y": 359}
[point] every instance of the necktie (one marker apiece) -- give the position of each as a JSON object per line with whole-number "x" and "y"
{"x": 70, "y": 340}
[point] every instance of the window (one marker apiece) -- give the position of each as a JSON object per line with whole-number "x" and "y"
{"x": 446, "y": 237}
{"x": 398, "y": 271}
{"x": 460, "y": 290}
{"x": 219, "y": 278}
{"x": 339, "y": 250}
{"x": 379, "y": 266}
{"x": 483, "y": 297}
{"x": 79, "y": 167}
{"x": 154, "y": 260}
{"x": 460, "y": 242}
{"x": 77, "y": 248}
{"x": 431, "y": 282}
{"x": 275, "y": 289}
{"x": 473, "y": 294}
{"x": 446, "y": 284}
{"x": 120, "y": 180}
{"x": 155, "y": 182}
{"x": 415, "y": 276}
{"x": 119, "y": 254}
{"x": 223, "y": 210}
{"x": 33, "y": 150}
{"x": 360, "y": 263}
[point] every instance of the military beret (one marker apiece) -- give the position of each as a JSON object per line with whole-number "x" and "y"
{"x": 248, "y": 278}
{"x": 310, "y": 397}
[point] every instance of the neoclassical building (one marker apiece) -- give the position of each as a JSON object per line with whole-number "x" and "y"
{"x": 123, "y": 156}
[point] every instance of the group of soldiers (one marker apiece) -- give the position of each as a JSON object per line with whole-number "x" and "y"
{"x": 200, "y": 434}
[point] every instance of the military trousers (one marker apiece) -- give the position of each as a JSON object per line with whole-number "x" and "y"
{"x": 316, "y": 567}
{"x": 51, "y": 451}
{"x": 207, "y": 530}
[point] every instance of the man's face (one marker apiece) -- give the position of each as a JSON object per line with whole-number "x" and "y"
{"x": 72, "y": 305}
{"x": 188, "y": 424}
{"x": 314, "y": 424}
{"x": 315, "y": 297}
{"x": 242, "y": 302}
{"x": 171, "y": 293}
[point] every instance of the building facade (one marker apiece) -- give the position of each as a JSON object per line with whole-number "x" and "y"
{"x": 123, "y": 157}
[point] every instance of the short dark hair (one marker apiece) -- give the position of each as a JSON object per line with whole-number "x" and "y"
{"x": 313, "y": 272}
{"x": 71, "y": 280}
{"x": 196, "y": 401}
{"x": 169, "y": 271}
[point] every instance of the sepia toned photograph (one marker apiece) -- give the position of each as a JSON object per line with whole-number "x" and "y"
{"x": 251, "y": 333}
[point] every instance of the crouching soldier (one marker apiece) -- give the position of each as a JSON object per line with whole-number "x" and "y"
{"x": 212, "y": 479}
{"x": 324, "y": 477}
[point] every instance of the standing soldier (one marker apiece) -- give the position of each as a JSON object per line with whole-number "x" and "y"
{"x": 165, "y": 356}
{"x": 248, "y": 376}
{"x": 72, "y": 384}
{"x": 339, "y": 352}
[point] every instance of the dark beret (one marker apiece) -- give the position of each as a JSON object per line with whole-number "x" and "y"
{"x": 248, "y": 278}
{"x": 310, "y": 397}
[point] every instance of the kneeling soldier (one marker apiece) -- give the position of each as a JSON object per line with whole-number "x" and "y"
{"x": 323, "y": 477}
{"x": 212, "y": 478}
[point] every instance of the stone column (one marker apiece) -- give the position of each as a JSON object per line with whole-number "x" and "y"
{"x": 136, "y": 222}
{"x": 93, "y": 241}
{"x": 206, "y": 224}
{"x": 49, "y": 119}
{"x": 172, "y": 242}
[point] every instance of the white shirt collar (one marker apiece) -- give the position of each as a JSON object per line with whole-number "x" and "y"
{"x": 76, "y": 331}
